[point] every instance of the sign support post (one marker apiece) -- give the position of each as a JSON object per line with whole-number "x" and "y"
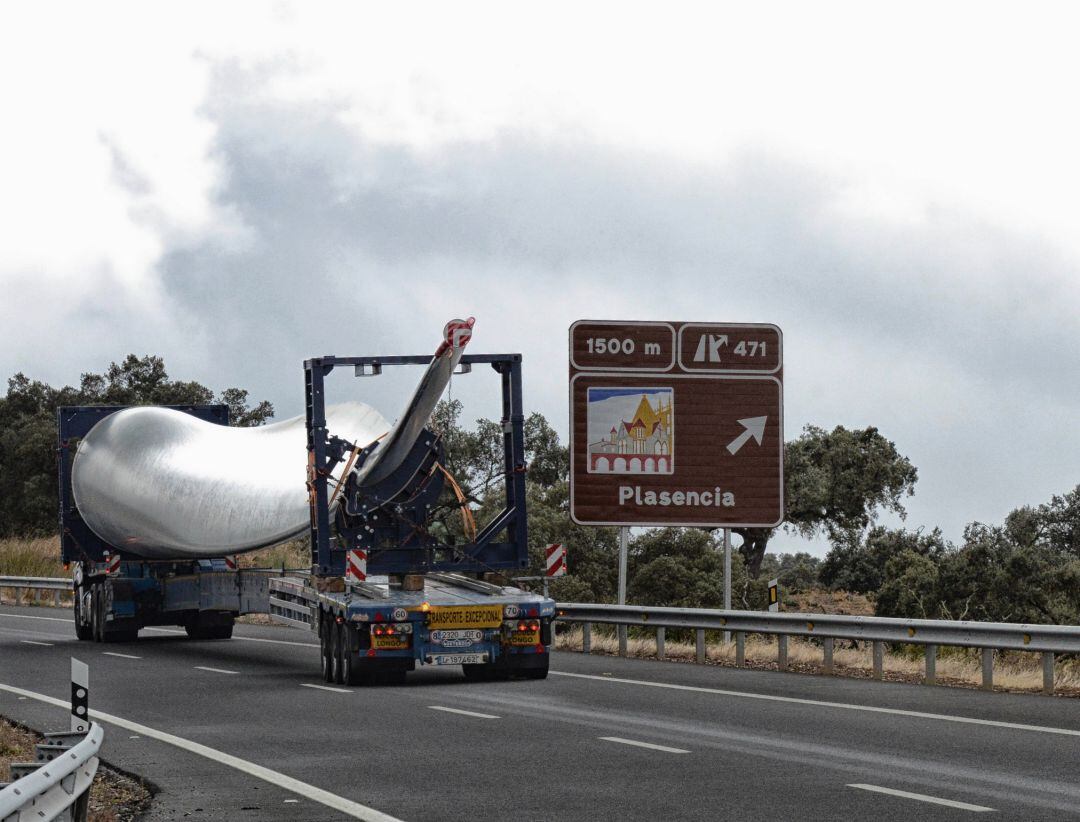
{"x": 624, "y": 545}
{"x": 727, "y": 578}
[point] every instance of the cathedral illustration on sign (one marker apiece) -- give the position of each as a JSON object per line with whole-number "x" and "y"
{"x": 631, "y": 430}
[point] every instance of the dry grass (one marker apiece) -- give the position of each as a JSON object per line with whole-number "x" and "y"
{"x": 1013, "y": 671}
{"x": 114, "y": 796}
{"x": 293, "y": 554}
{"x": 38, "y": 557}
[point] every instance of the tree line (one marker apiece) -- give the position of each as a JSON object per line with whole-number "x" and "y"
{"x": 28, "y": 470}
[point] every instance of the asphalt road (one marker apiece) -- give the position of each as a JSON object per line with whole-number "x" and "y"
{"x": 601, "y": 738}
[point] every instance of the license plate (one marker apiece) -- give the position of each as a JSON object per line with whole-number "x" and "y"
{"x": 466, "y": 616}
{"x": 457, "y": 659}
{"x": 389, "y": 643}
{"x": 525, "y": 638}
{"x": 447, "y": 637}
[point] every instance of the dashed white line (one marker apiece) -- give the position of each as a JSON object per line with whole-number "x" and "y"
{"x": 463, "y": 713}
{"x": 921, "y": 797}
{"x": 32, "y": 642}
{"x": 993, "y": 723}
{"x": 215, "y": 670}
{"x": 122, "y": 656}
{"x": 638, "y": 744}
{"x": 326, "y": 688}
{"x": 288, "y": 783}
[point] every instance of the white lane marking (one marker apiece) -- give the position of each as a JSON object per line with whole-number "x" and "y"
{"x": 338, "y": 803}
{"x": 463, "y": 713}
{"x": 637, "y": 744}
{"x": 949, "y": 803}
{"x": 32, "y": 642}
{"x": 214, "y": 670}
{"x": 243, "y": 638}
{"x": 326, "y": 688}
{"x": 179, "y": 631}
{"x": 122, "y": 656}
{"x": 29, "y": 616}
{"x": 993, "y": 723}
{"x": 134, "y": 737}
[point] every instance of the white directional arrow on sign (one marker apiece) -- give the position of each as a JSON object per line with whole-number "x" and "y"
{"x": 755, "y": 427}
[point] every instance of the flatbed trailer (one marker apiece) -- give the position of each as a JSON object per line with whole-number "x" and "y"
{"x": 377, "y": 631}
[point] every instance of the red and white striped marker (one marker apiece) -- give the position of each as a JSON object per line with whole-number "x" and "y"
{"x": 555, "y": 560}
{"x": 230, "y": 563}
{"x": 356, "y": 566}
{"x": 456, "y": 334}
{"x": 112, "y": 563}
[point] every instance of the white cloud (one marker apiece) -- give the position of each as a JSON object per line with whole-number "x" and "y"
{"x": 239, "y": 186}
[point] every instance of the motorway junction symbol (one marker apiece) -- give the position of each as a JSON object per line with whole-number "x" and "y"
{"x": 676, "y": 423}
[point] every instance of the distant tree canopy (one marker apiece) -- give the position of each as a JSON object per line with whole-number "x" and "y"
{"x": 835, "y": 483}
{"x": 28, "y": 429}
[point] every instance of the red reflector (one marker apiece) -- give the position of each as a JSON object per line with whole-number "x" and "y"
{"x": 378, "y": 616}
{"x": 371, "y": 652}
{"x": 532, "y": 612}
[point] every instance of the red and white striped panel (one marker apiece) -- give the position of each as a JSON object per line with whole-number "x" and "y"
{"x": 230, "y": 563}
{"x": 356, "y": 566}
{"x": 112, "y": 564}
{"x": 555, "y": 560}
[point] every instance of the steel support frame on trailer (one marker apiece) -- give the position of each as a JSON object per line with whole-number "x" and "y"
{"x": 322, "y": 459}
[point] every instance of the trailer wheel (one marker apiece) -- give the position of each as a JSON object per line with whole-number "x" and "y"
{"x": 97, "y": 613}
{"x": 337, "y": 661}
{"x": 479, "y": 672}
{"x": 326, "y": 648}
{"x": 83, "y": 630}
{"x": 349, "y": 665}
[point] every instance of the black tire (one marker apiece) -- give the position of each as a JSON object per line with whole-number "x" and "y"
{"x": 391, "y": 678}
{"x": 84, "y": 632}
{"x": 350, "y": 663}
{"x": 326, "y": 649}
{"x": 338, "y": 639}
{"x": 97, "y": 613}
{"x": 479, "y": 672}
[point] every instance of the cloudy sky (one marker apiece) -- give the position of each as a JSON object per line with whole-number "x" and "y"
{"x": 237, "y": 187}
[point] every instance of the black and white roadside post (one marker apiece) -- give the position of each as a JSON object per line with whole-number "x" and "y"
{"x": 80, "y": 697}
{"x": 774, "y": 595}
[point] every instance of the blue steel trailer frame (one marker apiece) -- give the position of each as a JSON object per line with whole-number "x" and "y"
{"x": 73, "y": 422}
{"x": 390, "y": 528}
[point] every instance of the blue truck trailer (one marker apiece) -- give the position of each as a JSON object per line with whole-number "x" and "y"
{"x": 383, "y": 592}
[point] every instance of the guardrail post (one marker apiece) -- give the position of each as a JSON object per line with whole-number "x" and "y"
{"x": 700, "y": 642}
{"x": 827, "y": 647}
{"x": 586, "y": 637}
{"x": 988, "y": 669}
{"x": 879, "y": 660}
{"x": 1048, "y": 672}
{"x": 931, "y": 664}
{"x": 740, "y": 648}
{"x": 621, "y": 630}
{"x": 56, "y": 599}
{"x": 781, "y": 651}
{"x": 660, "y": 636}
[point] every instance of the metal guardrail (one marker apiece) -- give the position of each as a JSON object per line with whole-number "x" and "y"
{"x": 60, "y": 787}
{"x": 57, "y": 784}
{"x": 58, "y": 585}
{"x": 930, "y": 633}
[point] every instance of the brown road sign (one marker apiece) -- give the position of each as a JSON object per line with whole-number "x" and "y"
{"x": 676, "y": 424}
